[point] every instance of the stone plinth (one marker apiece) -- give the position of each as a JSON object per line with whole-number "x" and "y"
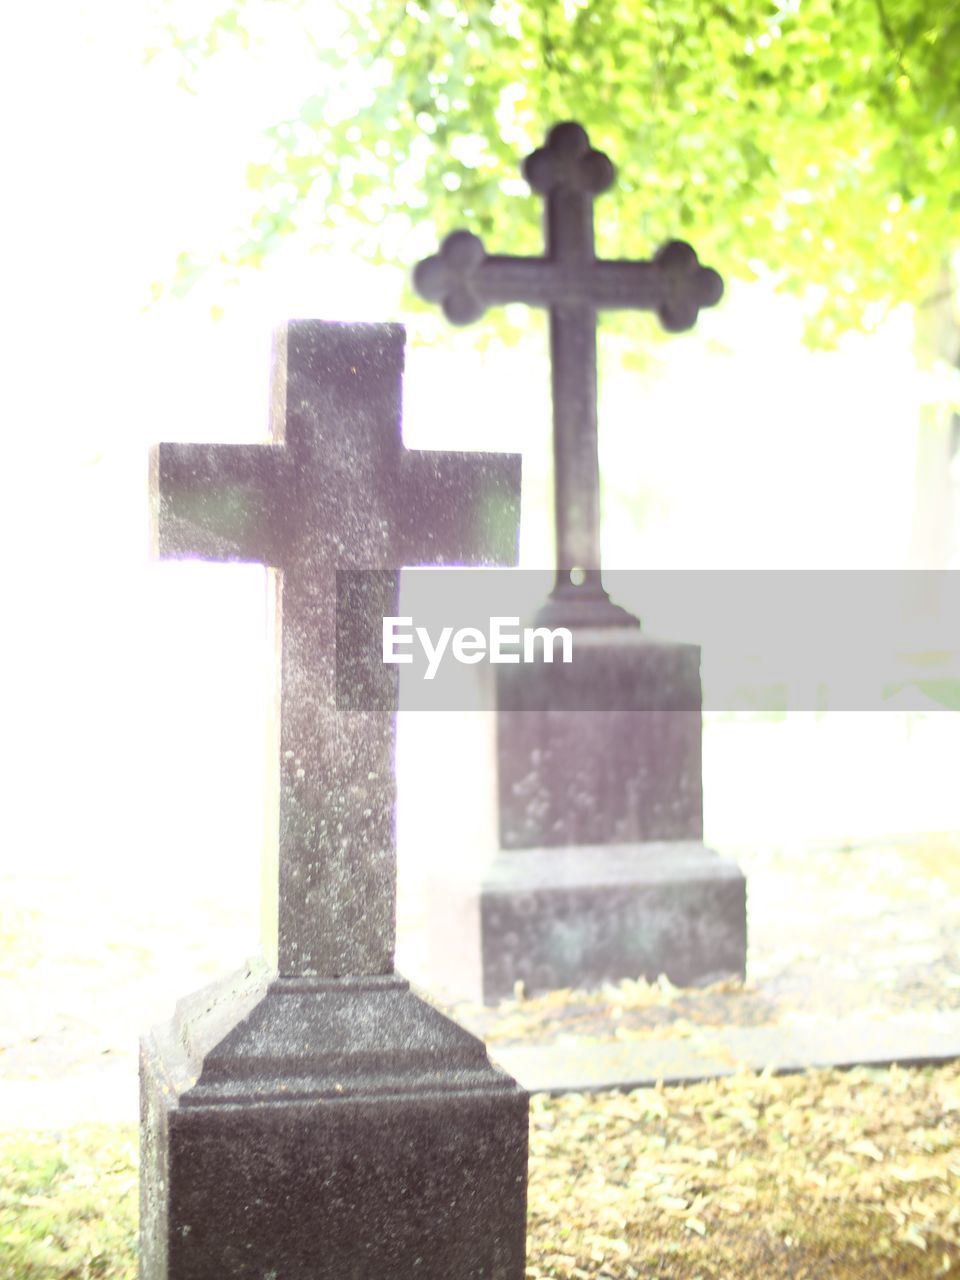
{"x": 323, "y": 1129}
{"x": 579, "y": 916}
{"x": 597, "y": 870}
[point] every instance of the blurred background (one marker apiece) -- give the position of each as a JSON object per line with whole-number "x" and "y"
{"x": 177, "y": 186}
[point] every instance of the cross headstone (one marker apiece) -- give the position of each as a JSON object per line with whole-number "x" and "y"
{"x": 334, "y": 489}
{"x": 319, "y": 1121}
{"x": 598, "y": 869}
{"x": 573, "y": 284}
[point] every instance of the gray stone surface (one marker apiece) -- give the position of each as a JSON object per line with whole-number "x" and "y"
{"x": 617, "y": 756}
{"x": 597, "y": 869}
{"x": 326, "y": 1123}
{"x": 334, "y": 489}
{"x": 327, "y": 1128}
{"x": 583, "y": 915}
{"x": 907, "y": 1039}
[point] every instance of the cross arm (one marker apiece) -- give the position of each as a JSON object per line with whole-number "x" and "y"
{"x": 466, "y": 280}
{"x": 219, "y": 502}
{"x": 474, "y": 505}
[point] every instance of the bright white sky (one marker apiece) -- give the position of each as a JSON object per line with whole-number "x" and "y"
{"x": 767, "y": 457}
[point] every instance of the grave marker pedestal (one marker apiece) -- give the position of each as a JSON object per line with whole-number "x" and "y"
{"x": 598, "y": 869}
{"x": 315, "y": 1120}
{"x": 310, "y": 1128}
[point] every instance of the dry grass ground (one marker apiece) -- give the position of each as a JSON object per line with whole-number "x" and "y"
{"x": 825, "y": 1174}
{"x": 821, "y": 1176}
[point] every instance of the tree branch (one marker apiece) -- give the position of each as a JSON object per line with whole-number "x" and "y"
{"x": 892, "y": 40}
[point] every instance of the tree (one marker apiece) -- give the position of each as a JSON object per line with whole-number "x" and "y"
{"x": 816, "y": 141}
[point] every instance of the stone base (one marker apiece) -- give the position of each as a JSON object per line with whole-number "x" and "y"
{"x": 587, "y": 914}
{"x": 605, "y": 750}
{"x": 302, "y": 1129}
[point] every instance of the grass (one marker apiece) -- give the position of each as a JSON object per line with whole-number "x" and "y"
{"x": 822, "y": 1176}
{"x": 68, "y": 1205}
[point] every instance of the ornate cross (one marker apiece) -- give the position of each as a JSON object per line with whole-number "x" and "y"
{"x": 574, "y": 285}
{"x": 336, "y": 489}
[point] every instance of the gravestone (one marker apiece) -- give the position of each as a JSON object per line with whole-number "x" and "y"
{"x": 309, "y": 1116}
{"x": 600, "y": 870}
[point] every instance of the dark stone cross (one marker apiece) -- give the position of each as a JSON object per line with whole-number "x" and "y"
{"x": 574, "y": 285}
{"x": 323, "y": 1122}
{"x": 335, "y": 489}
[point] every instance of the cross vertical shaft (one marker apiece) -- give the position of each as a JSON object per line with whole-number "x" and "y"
{"x": 573, "y": 356}
{"x": 568, "y": 217}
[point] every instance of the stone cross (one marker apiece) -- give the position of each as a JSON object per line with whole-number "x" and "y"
{"x": 574, "y": 285}
{"x": 334, "y": 489}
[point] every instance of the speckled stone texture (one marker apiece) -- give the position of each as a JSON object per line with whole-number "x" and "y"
{"x": 312, "y": 1130}
{"x": 326, "y": 1124}
{"x": 600, "y": 871}
{"x": 605, "y": 750}
{"x": 334, "y": 489}
{"x": 582, "y": 915}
